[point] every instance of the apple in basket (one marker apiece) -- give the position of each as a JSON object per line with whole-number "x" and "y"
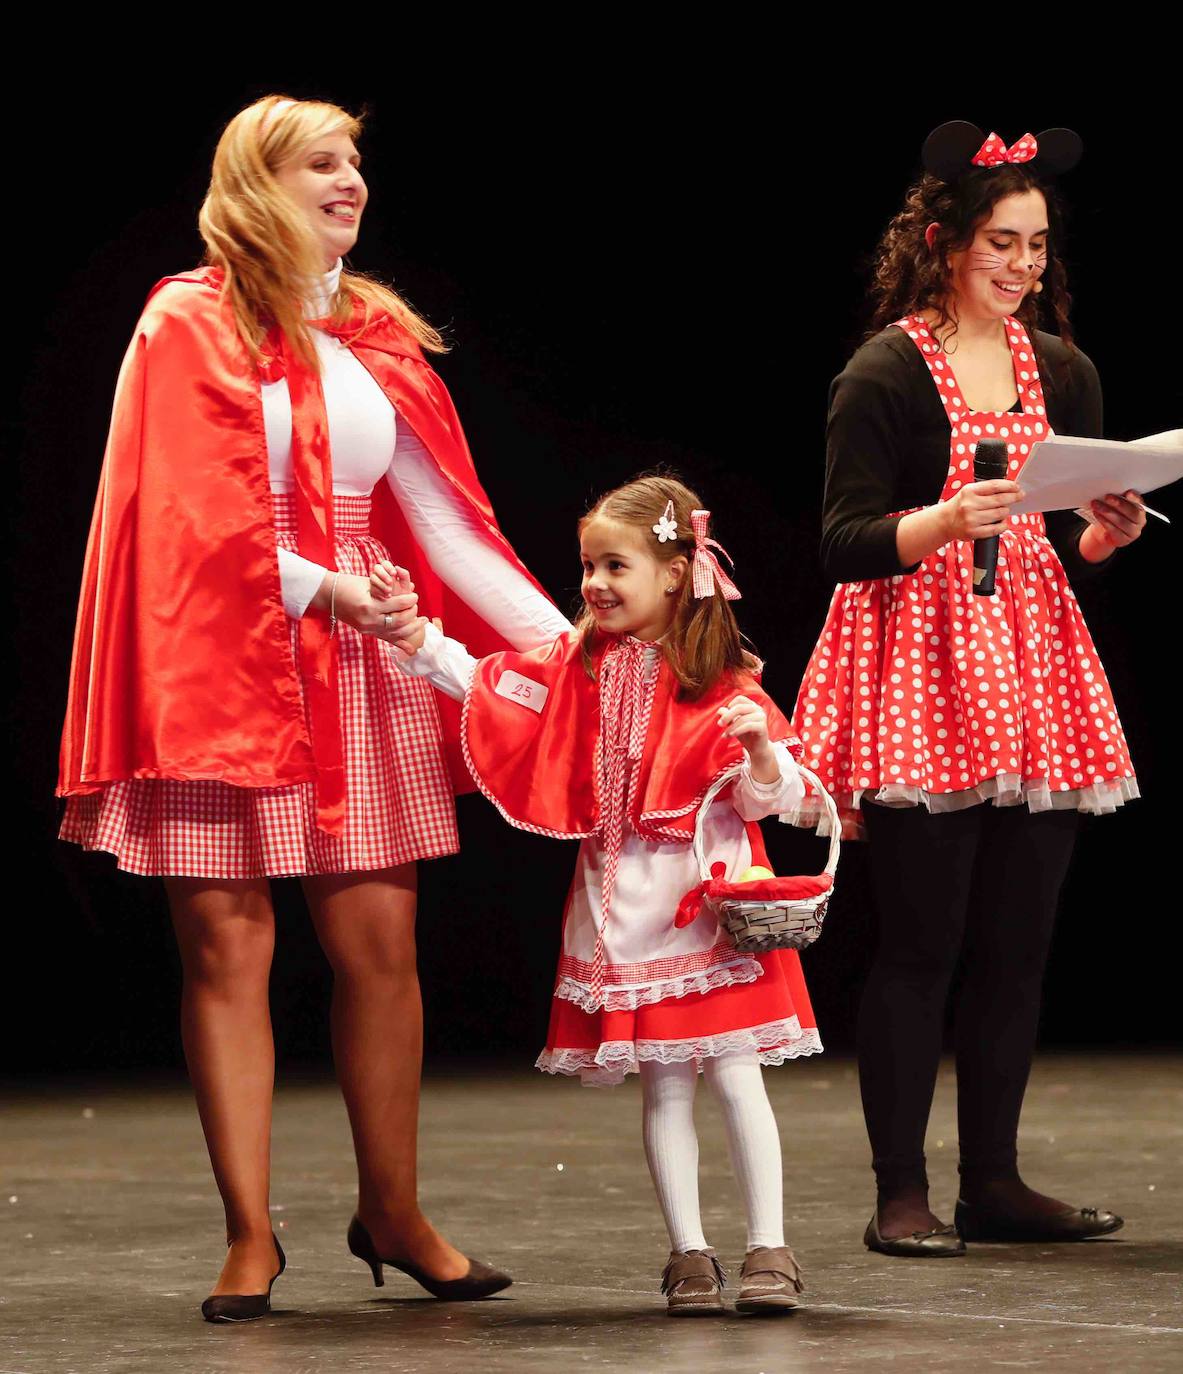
{"x": 755, "y": 874}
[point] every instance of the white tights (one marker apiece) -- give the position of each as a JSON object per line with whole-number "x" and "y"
{"x": 671, "y": 1145}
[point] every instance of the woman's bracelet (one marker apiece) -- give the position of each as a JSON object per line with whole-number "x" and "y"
{"x": 333, "y": 606}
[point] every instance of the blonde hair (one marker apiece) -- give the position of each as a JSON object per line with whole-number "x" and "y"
{"x": 703, "y": 642}
{"x": 262, "y": 241}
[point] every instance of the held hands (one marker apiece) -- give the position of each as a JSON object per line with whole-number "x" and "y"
{"x": 386, "y": 617}
{"x": 390, "y": 585}
{"x": 979, "y": 510}
{"x": 744, "y": 720}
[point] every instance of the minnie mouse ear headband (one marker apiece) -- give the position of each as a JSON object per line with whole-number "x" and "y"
{"x": 957, "y": 147}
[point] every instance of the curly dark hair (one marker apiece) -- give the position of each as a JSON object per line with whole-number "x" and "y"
{"x": 910, "y": 277}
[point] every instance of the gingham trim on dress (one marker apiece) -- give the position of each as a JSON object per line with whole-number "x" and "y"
{"x": 616, "y": 998}
{"x": 652, "y": 970}
{"x": 647, "y": 819}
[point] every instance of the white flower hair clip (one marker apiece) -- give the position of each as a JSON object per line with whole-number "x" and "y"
{"x": 667, "y": 526}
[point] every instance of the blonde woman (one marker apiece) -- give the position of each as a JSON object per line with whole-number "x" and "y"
{"x": 234, "y": 713}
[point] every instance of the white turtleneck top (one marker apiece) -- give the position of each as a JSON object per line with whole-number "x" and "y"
{"x": 369, "y": 441}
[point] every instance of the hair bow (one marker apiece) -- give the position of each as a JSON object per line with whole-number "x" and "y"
{"x": 707, "y": 569}
{"x": 993, "y": 152}
{"x": 948, "y": 151}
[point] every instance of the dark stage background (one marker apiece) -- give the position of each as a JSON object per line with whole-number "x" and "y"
{"x": 630, "y": 275}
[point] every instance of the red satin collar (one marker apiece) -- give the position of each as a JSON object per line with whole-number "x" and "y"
{"x": 379, "y": 332}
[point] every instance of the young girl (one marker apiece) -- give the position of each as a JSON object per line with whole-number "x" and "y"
{"x": 611, "y": 735}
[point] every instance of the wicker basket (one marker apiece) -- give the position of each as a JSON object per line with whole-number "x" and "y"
{"x": 755, "y": 915}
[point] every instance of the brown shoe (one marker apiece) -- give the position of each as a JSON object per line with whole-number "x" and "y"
{"x": 692, "y": 1282}
{"x": 769, "y": 1281}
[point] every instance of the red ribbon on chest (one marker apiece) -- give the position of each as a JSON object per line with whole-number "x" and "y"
{"x": 312, "y": 471}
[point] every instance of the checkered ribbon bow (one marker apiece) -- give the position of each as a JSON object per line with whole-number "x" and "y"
{"x": 707, "y": 569}
{"x": 993, "y": 153}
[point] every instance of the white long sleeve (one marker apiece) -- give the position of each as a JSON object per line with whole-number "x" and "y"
{"x": 457, "y": 547}
{"x": 299, "y": 580}
{"x": 369, "y": 441}
{"x": 754, "y": 800}
{"x": 444, "y": 662}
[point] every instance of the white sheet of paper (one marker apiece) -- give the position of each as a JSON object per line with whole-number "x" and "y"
{"x": 1063, "y": 473}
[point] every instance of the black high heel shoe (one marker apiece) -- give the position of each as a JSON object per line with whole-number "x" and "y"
{"x": 481, "y": 1281}
{"x": 243, "y": 1307}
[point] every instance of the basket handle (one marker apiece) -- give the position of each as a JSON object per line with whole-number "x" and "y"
{"x": 733, "y": 772}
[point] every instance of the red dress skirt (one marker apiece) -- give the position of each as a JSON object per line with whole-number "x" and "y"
{"x": 399, "y": 804}
{"x": 918, "y": 692}
{"x": 768, "y": 1015}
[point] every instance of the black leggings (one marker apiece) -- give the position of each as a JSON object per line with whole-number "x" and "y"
{"x": 978, "y": 885}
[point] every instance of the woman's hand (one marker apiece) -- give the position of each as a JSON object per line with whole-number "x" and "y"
{"x": 386, "y": 617}
{"x": 389, "y": 582}
{"x": 744, "y": 720}
{"x": 1120, "y": 519}
{"x": 980, "y": 509}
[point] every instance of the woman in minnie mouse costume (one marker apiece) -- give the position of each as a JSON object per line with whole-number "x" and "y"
{"x": 965, "y": 732}
{"x": 612, "y": 735}
{"x": 234, "y": 714}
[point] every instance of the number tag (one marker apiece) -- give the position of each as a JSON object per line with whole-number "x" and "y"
{"x": 525, "y": 691}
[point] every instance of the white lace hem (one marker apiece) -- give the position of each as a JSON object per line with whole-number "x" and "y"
{"x": 772, "y": 1043}
{"x": 1008, "y": 789}
{"x": 744, "y": 969}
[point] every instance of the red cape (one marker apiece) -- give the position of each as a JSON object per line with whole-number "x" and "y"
{"x": 539, "y": 767}
{"x": 182, "y": 662}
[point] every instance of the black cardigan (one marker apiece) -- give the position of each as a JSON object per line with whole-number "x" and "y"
{"x": 887, "y": 449}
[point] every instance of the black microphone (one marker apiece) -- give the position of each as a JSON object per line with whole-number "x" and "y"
{"x": 990, "y": 464}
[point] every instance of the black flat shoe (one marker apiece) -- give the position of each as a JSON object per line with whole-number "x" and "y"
{"x": 977, "y": 1223}
{"x": 481, "y": 1281}
{"x": 243, "y": 1307}
{"x": 942, "y": 1243}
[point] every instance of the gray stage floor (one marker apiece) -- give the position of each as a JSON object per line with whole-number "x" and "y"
{"x": 111, "y": 1235}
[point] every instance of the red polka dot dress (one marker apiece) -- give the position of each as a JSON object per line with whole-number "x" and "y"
{"x": 920, "y": 692}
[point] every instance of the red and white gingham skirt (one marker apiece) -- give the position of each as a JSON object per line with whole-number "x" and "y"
{"x": 399, "y": 803}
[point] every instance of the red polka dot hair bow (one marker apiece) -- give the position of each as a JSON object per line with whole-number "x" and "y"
{"x": 707, "y": 569}
{"x": 993, "y": 152}
{"x": 957, "y": 148}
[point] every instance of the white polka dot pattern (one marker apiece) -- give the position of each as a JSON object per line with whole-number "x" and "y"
{"x": 993, "y": 153}
{"x": 918, "y": 690}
